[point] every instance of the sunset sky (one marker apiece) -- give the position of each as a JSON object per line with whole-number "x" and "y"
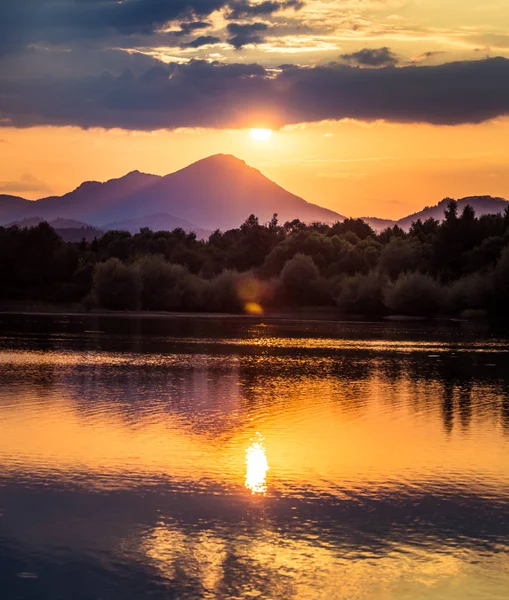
{"x": 378, "y": 107}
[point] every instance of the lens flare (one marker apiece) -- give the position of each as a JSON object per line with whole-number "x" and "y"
{"x": 253, "y": 309}
{"x": 256, "y": 466}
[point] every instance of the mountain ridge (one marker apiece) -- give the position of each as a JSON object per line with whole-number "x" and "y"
{"x": 216, "y": 192}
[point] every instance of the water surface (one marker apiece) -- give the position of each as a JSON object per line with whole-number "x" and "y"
{"x": 231, "y": 458}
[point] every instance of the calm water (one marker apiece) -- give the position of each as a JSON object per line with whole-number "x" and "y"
{"x": 221, "y": 458}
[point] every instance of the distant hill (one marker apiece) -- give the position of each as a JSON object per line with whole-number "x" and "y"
{"x": 157, "y": 222}
{"x": 67, "y": 229}
{"x": 483, "y": 205}
{"x": 13, "y": 208}
{"x": 379, "y": 224}
{"x": 217, "y": 192}
{"x": 55, "y": 223}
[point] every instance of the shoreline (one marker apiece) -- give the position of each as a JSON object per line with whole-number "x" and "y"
{"x": 313, "y": 314}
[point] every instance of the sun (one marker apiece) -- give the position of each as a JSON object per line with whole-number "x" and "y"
{"x": 261, "y": 135}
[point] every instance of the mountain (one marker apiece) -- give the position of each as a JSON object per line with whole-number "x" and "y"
{"x": 217, "y": 192}
{"x": 67, "y": 229}
{"x": 160, "y": 221}
{"x": 379, "y": 224}
{"x": 56, "y": 223}
{"x": 221, "y": 192}
{"x": 13, "y": 208}
{"x": 483, "y": 205}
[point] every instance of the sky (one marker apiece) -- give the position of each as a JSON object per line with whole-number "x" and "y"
{"x": 378, "y": 107}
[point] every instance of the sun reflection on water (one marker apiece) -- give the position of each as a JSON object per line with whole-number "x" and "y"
{"x": 256, "y": 466}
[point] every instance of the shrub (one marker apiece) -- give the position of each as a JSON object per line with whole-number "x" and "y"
{"x": 300, "y": 279}
{"x": 501, "y": 284}
{"x": 221, "y": 293}
{"x": 400, "y": 255}
{"x": 157, "y": 284}
{"x": 116, "y": 286}
{"x": 472, "y": 292}
{"x": 414, "y": 294}
{"x": 362, "y": 294}
{"x": 165, "y": 286}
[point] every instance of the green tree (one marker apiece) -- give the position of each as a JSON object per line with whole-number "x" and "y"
{"x": 401, "y": 255}
{"x": 300, "y": 279}
{"x": 116, "y": 286}
{"x": 362, "y": 294}
{"x": 414, "y": 294}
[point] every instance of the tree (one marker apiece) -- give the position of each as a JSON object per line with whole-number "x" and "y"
{"x": 158, "y": 283}
{"x": 116, "y": 286}
{"x": 400, "y": 255}
{"x": 414, "y": 294}
{"x": 362, "y": 294}
{"x": 501, "y": 283}
{"x": 357, "y": 226}
{"x": 472, "y": 292}
{"x": 299, "y": 279}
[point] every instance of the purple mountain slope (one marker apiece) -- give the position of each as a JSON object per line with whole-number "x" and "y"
{"x": 217, "y": 192}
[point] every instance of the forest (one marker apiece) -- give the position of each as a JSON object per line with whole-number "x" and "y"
{"x": 459, "y": 266}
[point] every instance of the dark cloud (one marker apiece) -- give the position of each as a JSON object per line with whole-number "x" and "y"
{"x": 427, "y": 55}
{"x": 203, "y": 94}
{"x": 56, "y": 61}
{"x": 241, "y": 9}
{"x": 242, "y": 35}
{"x": 188, "y": 28}
{"x": 372, "y": 57}
{"x": 204, "y": 40}
{"x": 25, "y": 22}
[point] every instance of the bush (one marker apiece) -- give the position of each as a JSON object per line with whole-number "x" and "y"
{"x": 400, "y": 255}
{"x": 501, "y": 284}
{"x": 362, "y": 294}
{"x": 116, "y": 286}
{"x": 157, "y": 284}
{"x": 168, "y": 287}
{"x": 300, "y": 281}
{"x": 414, "y": 294}
{"x": 193, "y": 291}
{"x": 472, "y": 292}
{"x": 221, "y": 293}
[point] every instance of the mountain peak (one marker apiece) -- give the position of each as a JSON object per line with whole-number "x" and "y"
{"x": 224, "y": 158}
{"x": 219, "y": 191}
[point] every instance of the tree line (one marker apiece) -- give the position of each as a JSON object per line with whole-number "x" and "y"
{"x": 452, "y": 267}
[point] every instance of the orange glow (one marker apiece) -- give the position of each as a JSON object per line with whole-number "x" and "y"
{"x": 355, "y": 169}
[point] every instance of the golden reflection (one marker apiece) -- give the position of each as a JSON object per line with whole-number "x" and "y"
{"x": 256, "y": 466}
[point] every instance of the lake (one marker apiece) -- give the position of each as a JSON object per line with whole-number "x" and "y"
{"x": 225, "y": 458}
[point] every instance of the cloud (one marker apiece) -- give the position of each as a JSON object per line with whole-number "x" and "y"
{"x": 27, "y": 22}
{"x": 218, "y": 95}
{"x": 204, "y": 40}
{"x": 241, "y": 9}
{"x": 242, "y": 35}
{"x": 26, "y": 183}
{"x": 375, "y": 57}
{"x": 427, "y": 56}
{"x": 59, "y": 21}
{"x": 188, "y": 28}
